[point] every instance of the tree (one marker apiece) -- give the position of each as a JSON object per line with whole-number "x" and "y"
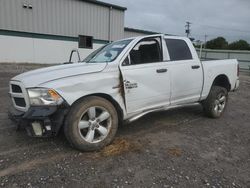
{"x": 217, "y": 43}
{"x": 239, "y": 45}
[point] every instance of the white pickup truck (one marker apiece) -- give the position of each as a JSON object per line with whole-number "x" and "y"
{"x": 121, "y": 81}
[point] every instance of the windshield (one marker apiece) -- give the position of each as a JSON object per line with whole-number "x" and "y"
{"x": 107, "y": 53}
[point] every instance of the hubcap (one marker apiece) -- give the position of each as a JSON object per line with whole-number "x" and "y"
{"x": 94, "y": 124}
{"x": 220, "y": 104}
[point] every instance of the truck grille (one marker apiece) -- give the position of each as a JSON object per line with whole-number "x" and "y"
{"x": 16, "y": 88}
{"x": 18, "y": 95}
{"x": 19, "y": 101}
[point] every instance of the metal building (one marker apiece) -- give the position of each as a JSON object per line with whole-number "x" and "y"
{"x": 63, "y": 17}
{"x": 45, "y": 31}
{"x": 131, "y": 32}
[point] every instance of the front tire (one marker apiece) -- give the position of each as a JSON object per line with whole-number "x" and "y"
{"x": 216, "y": 102}
{"x": 91, "y": 124}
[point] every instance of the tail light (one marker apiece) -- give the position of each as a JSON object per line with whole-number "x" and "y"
{"x": 238, "y": 70}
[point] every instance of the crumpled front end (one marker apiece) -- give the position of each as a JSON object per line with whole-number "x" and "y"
{"x": 39, "y": 121}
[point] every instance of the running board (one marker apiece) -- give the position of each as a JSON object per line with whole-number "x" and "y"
{"x": 138, "y": 116}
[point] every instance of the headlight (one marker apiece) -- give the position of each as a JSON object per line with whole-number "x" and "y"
{"x": 44, "y": 96}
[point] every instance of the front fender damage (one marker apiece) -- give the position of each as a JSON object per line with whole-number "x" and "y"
{"x": 41, "y": 121}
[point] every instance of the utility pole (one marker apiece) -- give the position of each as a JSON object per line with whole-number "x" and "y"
{"x": 188, "y": 31}
{"x": 205, "y": 41}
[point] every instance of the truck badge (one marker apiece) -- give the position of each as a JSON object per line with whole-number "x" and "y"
{"x": 129, "y": 85}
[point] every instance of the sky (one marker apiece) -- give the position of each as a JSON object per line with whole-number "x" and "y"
{"x": 227, "y": 18}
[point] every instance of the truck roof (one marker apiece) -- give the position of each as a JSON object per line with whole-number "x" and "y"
{"x": 156, "y": 35}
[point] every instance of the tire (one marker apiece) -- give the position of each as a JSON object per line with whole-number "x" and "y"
{"x": 91, "y": 124}
{"x": 216, "y": 102}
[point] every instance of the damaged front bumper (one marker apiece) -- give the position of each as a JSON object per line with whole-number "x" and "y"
{"x": 40, "y": 121}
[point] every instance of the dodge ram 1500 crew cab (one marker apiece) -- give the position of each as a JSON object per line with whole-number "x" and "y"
{"x": 123, "y": 80}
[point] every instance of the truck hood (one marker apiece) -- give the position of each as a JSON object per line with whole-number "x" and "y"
{"x": 40, "y": 76}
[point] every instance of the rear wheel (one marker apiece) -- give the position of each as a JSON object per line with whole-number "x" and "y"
{"x": 91, "y": 124}
{"x": 216, "y": 102}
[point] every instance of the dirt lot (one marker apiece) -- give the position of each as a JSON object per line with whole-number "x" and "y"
{"x": 177, "y": 148}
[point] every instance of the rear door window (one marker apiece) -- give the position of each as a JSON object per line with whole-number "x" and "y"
{"x": 178, "y": 50}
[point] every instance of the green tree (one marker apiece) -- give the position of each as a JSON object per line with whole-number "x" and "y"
{"x": 217, "y": 43}
{"x": 239, "y": 45}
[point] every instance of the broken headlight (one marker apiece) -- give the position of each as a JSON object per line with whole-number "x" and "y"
{"x": 44, "y": 96}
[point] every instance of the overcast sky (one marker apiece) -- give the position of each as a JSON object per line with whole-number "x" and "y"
{"x": 228, "y": 18}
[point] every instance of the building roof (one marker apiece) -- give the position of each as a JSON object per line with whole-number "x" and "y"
{"x": 140, "y": 31}
{"x": 106, "y": 4}
{"x": 146, "y": 32}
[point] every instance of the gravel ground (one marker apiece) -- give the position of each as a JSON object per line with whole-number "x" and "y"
{"x": 176, "y": 148}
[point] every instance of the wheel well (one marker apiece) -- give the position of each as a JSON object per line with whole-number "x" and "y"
{"x": 111, "y": 100}
{"x": 222, "y": 80}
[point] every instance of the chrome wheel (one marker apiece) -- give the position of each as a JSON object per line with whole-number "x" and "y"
{"x": 95, "y": 124}
{"x": 216, "y": 102}
{"x": 220, "y": 103}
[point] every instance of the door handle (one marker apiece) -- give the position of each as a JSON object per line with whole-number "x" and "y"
{"x": 161, "y": 70}
{"x": 195, "y": 66}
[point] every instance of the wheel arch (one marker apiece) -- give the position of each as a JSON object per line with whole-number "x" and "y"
{"x": 222, "y": 81}
{"x": 110, "y": 99}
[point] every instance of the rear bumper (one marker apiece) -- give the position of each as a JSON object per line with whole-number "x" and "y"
{"x": 237, "y": 84}
{"x": 40, "y": 121}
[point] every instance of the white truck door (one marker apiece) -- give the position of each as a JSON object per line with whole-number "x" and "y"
{"x": 186, "y": 72}
{"x": 146, "y": 77}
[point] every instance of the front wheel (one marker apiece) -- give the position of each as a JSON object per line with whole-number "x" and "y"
{"x": 216, "y": 102}
{"x": 91, "y": 124}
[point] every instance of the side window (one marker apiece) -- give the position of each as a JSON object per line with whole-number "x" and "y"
{"x": 126, "y": 61}
{"x": 146, "y": 51}
{"x": 178, "y": 50}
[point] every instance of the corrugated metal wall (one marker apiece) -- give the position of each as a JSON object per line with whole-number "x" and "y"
{"x": 14, "y": 17}
{"x": 117, "y": 24}
{"x": 129, "y": 34}
{"x": 62, "y": 17}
